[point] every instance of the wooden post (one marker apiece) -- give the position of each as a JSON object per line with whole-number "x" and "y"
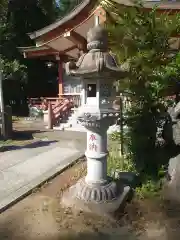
{"x": 8, "y": 122}
{"x": 121, "y": 125}
{"x": 100, "y": 16}
{"x": 50, "y": 116}
{"x": 96, "y": 20}
{"x": 3, "y": 131}
{"x": 60, "y": 78}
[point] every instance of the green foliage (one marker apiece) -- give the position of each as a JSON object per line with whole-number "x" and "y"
{"x": 17, "y": 18}
{"x": 115, "y": 136}
{"x": 149, "y": 189}
{"x": 65, "y": 6}
{"x": 13, "y": 70}
{"x": 9, "y": 67}
{"x": 118, "y": 163}
{"x": 142, "y": 40}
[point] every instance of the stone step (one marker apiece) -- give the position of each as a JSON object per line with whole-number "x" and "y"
{"x": 73, "y": 116}
{"x": 72, "y": 127}
{"x": 76, "y": 129}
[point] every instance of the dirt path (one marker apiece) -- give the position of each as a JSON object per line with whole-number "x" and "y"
{"x": 40, "y": 216}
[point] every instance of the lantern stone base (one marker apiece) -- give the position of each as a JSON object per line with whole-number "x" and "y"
{"x": 103, "y": 200}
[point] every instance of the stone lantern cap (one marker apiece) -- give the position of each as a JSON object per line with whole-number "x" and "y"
{"x": 98, "y": 62}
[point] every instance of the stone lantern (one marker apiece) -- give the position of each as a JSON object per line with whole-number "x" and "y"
{"x": 98, "y": 69}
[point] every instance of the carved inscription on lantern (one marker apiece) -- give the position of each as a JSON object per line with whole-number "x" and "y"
{"x": 92, "y": 143}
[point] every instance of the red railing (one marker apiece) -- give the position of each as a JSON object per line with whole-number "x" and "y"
{"x": 58, "y": 108}
{"x": 42, "y": 103}
{"x": 59, "y": 111}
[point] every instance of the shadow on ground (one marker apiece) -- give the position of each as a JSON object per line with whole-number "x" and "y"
{"x": 37, "y": 144}
{"x": 25, "y": 134}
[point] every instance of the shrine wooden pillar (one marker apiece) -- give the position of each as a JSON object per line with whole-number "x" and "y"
{"x": 100, "y": 16}
{"x": 60, "y": 78}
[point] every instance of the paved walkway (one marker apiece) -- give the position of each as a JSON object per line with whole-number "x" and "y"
{"x": 21, "y": 170}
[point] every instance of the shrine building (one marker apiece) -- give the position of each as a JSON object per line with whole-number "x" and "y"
{"x": 65, "y": 39}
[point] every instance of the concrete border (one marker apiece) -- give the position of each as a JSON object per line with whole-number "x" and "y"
{"x": 6, "y": 148}
{"x": 28, "y": 189}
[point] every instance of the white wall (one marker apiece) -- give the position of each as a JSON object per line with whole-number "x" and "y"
{"x": 71, "y": 85}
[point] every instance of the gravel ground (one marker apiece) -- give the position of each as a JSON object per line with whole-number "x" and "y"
{"x": 41, "y": 217}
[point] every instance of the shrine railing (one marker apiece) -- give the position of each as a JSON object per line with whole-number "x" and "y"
{"x": 53, "y": 110}
{"x": 59, "y": 111}
{"x": 40, "y": 102}
{"x": 74, "y": 97}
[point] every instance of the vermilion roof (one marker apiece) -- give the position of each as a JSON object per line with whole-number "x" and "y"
{"x": 33, "y": 51}
{"x": 161, "y": 5}
{"x": 53, "y": 37}
{"x": 59, "y": 22}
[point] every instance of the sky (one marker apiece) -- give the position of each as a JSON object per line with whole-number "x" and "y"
{"x": 57, "y": 1}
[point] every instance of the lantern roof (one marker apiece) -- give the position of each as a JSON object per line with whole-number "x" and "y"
{"x": 98, "y": 62}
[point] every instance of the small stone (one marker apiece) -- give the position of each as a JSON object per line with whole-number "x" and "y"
{"x": 129, "y": 178}
{"x": 44, "y": 139}
{"x": 66, "y": 211}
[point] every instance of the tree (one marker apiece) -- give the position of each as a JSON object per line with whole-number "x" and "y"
{"x": 17, "y": 19}
{"x": 142, "y": 40}
{"x": 9, "y": 65}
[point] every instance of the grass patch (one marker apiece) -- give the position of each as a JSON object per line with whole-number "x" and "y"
{"x": 118, "y": 163}
{"x": 16, "y": 118}
{"x": 148, "y": 186}
{"x": 149, "y": 189}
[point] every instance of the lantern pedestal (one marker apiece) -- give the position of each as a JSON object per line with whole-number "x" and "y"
{"x": 103, "y": 200}
{"x": 96, "y": 192}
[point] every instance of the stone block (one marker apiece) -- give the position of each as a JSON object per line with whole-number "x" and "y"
{"x": 172, "y": 185}
{"x": 8, "y": 122}
{"x": 87, "y": 198}
{"x": 129, "y": 178}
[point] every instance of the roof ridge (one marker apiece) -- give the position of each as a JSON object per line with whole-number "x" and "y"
{"x": 61, "y": 20}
